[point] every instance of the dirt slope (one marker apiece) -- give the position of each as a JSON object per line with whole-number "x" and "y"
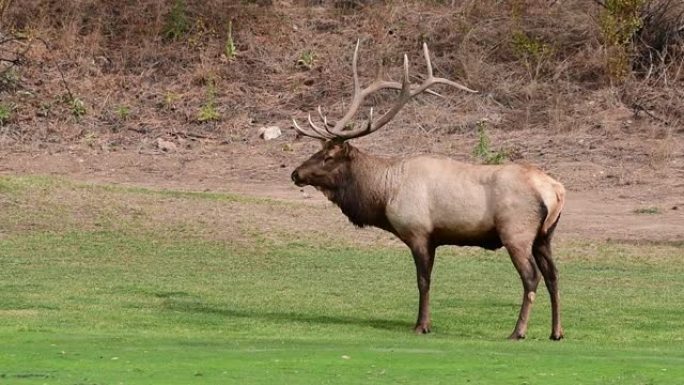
{"x": 649, "y": 210}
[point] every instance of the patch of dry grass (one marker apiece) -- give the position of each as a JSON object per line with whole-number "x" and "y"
{"x": 45, "y": 204}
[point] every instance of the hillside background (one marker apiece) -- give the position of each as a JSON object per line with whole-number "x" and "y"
{"x": 593, "y": 91}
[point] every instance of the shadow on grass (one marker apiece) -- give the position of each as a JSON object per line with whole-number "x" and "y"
{"x": 198, "y": 307}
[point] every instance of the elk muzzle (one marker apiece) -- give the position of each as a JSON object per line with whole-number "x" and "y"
{"x": 297, "y": 179}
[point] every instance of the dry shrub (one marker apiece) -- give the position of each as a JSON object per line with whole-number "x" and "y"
{"x": 4, "y": 4}
{"x": 659, "y": 41}
{"x": 537, "y": 66}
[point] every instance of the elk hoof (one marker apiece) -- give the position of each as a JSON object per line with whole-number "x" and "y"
{"x": 422, "y": 329}
{"x": 556, "y": 336}
{"x": 515, "y": 336}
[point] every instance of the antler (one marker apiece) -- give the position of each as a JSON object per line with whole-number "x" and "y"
{"x": 339, "y": 131}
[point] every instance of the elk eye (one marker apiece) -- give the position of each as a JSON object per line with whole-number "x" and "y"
{"x": 328, "y": 159}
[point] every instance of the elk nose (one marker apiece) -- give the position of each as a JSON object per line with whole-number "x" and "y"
{"x": 295, "y": 176}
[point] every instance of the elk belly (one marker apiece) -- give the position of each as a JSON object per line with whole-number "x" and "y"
{"x": 466, "y": 219}
{"x": 486, "y": 239}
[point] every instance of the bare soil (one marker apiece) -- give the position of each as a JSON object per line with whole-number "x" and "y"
{"x": 616, "y": 191}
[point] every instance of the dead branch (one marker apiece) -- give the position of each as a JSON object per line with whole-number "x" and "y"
{"x": 638, "y": 108}
{"x": 66, "y": 85}
{"x": 601, "y": 3}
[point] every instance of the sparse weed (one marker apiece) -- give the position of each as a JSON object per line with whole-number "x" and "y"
{"x": 482, "y": 149}
{"x": 170, "y": 99}
{"x": 5, "y": 113}
{"x": 647, "y": 210}
{"x": 208, "y": 113}
{"x": 9, "y": 79}
{"x": 45, "y": 109}
{"x": 662, "y": 153}
{"x": 349, "y": 5}
{"x": 4, "y": 5}
{"x": 78, "y": 108}
{"x": 534, "y": 52}
{"x": 287, "y": 147}
{"x": 90, "y": 139}
{"x": 177, "y": 24}
{"x": 230, "y": 50}
{"x": 208, "y": 110}
{"x": 123, "y": 112}
{"x": 306, "y": 60}
{"x": 200, "y": 34}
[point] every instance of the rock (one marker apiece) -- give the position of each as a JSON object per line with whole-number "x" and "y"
{"x": 165, "y": 145}
{"x": 270, "y": 132}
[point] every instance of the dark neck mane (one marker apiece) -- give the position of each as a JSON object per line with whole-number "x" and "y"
{"x": 362, "y": 194}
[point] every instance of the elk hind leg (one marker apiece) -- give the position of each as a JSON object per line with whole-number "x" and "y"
{"x": 521, "y": 256}
{"x": 542, "y": 255}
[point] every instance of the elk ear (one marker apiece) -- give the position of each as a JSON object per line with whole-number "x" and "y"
{"x": 346, "y": 149}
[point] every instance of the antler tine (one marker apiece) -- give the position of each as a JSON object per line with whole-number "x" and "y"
{"x": 302, "y": 131}
{"x": 316, "y": 132}
{"x": 433, "y": 80}
{"x": 358, "y": 97}
{"x": 326, "y": 125}
{"x": 357, "y": 86}
{"x": 428, "y": 62}
{"x": 326, "y": 133}
{"x": 320, "y": 131}
{"x": 323, "y": 118}
{"x": 305, "y": 132}
{"x": 403, "y": 98}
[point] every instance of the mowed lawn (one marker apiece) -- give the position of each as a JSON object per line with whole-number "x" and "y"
{"x": 103, "y": 284}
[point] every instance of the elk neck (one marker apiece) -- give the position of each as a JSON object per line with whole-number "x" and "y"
{"x": 364, "y": 191}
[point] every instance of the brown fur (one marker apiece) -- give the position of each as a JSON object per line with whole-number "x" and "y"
{"x": 362, "y": 202}
{"x": 431, "y": 201}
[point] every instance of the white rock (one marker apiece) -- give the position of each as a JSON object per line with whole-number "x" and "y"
{"x": 269, "y": 133}
{"x": 165, "y": 145}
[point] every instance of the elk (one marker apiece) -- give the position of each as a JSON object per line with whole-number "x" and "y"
{"x": 430, "y": 201}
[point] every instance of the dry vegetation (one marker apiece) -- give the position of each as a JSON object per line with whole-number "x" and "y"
{"x": 152, "y": 66}
{"x": 113, "y": 75}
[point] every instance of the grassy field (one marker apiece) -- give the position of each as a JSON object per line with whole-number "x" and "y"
{"x": 104, "y": 284}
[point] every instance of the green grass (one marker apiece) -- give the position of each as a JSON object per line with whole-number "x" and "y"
{"x": 96, "y": 288}
{"x": 647, "y": 210}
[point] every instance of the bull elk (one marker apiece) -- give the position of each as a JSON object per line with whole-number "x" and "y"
{"x": 430, "y": 201}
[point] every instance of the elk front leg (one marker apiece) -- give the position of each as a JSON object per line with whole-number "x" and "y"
{"x": 424, "y": 257}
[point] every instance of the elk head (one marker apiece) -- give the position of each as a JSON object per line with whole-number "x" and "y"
{"x": 325, "y": 168}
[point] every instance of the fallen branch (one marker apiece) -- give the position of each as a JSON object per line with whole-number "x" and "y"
{"x": 601, "y": 3}
{"x": 638, "y": 107}
{"x": 141, "y": 131}
{"x": 193, "y": 135}
{"x": 66, "y": 85}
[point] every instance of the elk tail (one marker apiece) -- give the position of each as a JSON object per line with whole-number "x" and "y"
{"x": 554, "y": 201}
